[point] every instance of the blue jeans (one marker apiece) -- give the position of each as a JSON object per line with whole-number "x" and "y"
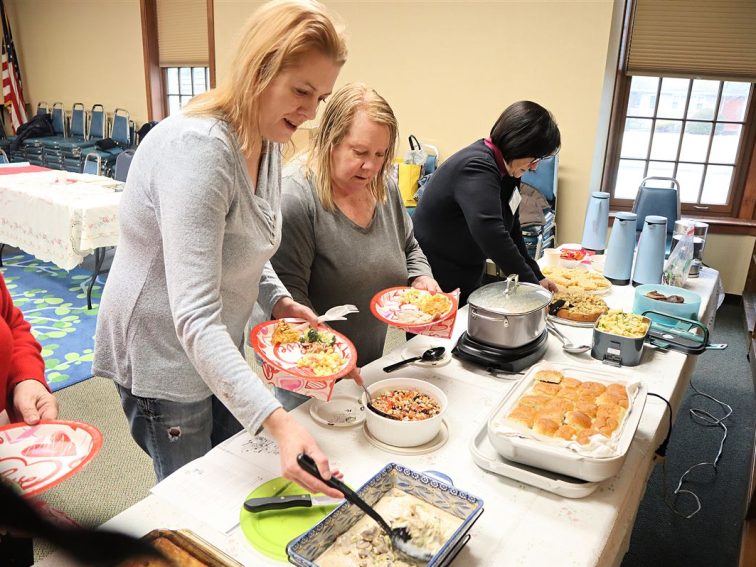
{"x": 175, "y": 433}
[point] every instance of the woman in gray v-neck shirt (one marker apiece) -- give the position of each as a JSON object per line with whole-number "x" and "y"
{"x": 346, "y": 234}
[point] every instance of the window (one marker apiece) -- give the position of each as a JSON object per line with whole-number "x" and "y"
{"x": 689, "y": 129}
{"x": 685, "y": 107}
{"x": 182, "y": 83}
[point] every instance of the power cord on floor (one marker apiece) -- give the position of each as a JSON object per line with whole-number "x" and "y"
{"x": 706, "y": 419}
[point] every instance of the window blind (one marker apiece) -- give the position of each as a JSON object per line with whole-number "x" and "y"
{"x": 182, "y": 33}
{"x": 694, "y": 38}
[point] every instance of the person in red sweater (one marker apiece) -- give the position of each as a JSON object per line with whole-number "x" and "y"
{"x": 23, "y": 390}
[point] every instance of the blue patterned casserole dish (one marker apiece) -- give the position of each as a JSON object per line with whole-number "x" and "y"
{"x": 309, "y": 546}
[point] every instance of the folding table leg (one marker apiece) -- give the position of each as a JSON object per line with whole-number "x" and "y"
{"x": 99, "y": 259}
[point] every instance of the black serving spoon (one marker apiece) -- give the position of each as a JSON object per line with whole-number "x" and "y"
{"x": 430, "y": 355}
{"x": 401, "y": 539}
{"x": 371, "y": 407}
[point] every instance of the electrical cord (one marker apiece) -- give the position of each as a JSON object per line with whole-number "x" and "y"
{"x": 706, "y": 419}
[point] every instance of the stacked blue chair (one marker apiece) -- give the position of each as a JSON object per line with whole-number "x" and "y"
{"x": 65, "y": 152}
{"x": 122, "y": 134}
{"x": 34, "y": 148}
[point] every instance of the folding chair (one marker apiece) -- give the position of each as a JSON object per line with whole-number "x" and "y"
{"x": 92, "y": 164}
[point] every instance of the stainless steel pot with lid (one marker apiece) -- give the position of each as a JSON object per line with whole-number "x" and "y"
{"x": 507, "y": 314}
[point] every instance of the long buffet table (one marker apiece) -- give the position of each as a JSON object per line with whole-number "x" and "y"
{"x": 521, "y": 525}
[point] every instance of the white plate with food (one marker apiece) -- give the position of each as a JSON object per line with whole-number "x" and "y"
{"x": 569, "y": 419}
{"x": 407, "y": 307}
{"x": 576, "y": 309}
{"x": 579, "y": 279}
{"x": 292, "y": 347}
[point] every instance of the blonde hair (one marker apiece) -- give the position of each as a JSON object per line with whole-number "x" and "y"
{"x": 338, "y": 117}
{"x": 275, "y": 38}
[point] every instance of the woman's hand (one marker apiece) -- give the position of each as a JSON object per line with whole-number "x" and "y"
{"x": 32, "y": 402}
{"x": 356, "y": 376}
{"x": 293, "y": 439}
{"x": 548, "y": 284}
{"x": 427, "y": 283}
{"x": 287, "y": 307}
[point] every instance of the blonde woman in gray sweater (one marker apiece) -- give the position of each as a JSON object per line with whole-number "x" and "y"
{"x": 346, "y": 233}
{"x": 200, "y": 218}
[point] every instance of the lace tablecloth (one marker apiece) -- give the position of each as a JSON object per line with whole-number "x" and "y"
{"x": 57, "y": 216}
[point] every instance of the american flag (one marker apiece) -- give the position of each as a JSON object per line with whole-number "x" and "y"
{"x": 13, "y": 95}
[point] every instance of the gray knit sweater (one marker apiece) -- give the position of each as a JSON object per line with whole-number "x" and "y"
{"x": 193, "y": 252}
{"x": 325, "y": 259}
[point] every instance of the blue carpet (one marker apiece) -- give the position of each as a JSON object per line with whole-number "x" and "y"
{"x": 54, "y": 302}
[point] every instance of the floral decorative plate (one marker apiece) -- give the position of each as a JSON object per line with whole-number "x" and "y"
{"x": 284, "y": 358}
{"x": 37, "y": 457}
{"x": 391, "y": 307}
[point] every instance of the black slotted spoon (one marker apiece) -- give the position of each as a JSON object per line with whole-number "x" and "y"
{"x": 400, "y": 538}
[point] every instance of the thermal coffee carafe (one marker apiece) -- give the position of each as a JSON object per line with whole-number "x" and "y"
{"x": 618, "y": 265}
{"x": 596, "y": 222}
{"x": 649, "y": 259}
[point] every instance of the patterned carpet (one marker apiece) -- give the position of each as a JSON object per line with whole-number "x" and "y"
{"x": 54, "y": 301}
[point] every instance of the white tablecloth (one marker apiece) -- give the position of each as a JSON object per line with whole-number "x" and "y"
{"x": 57, "y": 216}
{"x": 521, "y": 525}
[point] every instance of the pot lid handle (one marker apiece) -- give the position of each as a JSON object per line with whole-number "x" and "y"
{"x": 511, "y": 283}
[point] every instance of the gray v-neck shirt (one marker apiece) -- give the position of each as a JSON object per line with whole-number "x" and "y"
{"x": 193, "y": 253}
{"x": 325, "y": 259}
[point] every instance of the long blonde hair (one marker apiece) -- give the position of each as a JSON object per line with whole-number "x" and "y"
{"x": 274, "y": 39}
{"x": 338, "y": 118}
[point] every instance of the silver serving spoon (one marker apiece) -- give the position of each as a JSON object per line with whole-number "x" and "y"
{"x": 400, "y": 537}
{"x": 430, "y": 355}
{"x": 567, "y": 345}
{"x": 374, "y": 409}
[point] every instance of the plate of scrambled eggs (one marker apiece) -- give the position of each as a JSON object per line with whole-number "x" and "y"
{"x": 410, "y": 307}
{"x": 292, "y": 347}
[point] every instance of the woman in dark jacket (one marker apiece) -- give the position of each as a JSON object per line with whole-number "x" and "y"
{"x": 469, "y": 208}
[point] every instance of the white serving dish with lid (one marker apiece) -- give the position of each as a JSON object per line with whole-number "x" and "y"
{"x": 513, "y": 444}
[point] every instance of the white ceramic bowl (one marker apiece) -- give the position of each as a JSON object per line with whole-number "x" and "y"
{"x": 405, "y": 433}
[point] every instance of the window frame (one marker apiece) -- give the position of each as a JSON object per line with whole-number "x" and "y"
{"x": 179, "y": 95}
{"x": 740, "y": 210}
{"x": 154, "y": 75}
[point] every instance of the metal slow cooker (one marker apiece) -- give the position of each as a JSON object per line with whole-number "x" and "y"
{"x": 507, "y": 314}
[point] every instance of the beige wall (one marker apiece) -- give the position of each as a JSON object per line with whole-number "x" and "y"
{"x": 447, "y": 68}
{"x": 87, "y": 51}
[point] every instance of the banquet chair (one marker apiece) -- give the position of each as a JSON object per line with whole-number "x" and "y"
{"x": 122, "y": 164}
{"x": 92, "y": 164}
{"x": 658, "y": 200}
{"x": 543, "y": 180}
{"x": 4, "y": 157}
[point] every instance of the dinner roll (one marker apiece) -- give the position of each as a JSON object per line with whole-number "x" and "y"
{"x": 570, "y": 382}
{"x": 577, "y": 419}
{"x": 566, "y": 432}
{"x": 584, "y": 436}
{"x": 550, "y": 376}
{"x": 587, "y": 408}
{"x": 523, "y": 415}
{"x": 534, "y": 401}
{"x": 546, "y": 388}
{"x": 545, "y": 426}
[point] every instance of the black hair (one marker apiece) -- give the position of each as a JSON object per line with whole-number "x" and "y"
{"x": 526, "y": 129}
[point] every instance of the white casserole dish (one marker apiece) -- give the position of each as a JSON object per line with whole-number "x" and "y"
{"x": 560, "y": 456}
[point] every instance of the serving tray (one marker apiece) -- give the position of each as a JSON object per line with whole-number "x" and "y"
{"x": 486, "y": 457}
